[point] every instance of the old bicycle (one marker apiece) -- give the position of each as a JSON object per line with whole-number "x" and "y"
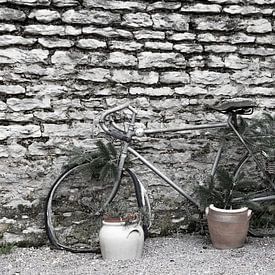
{"x": 67, "y": 193}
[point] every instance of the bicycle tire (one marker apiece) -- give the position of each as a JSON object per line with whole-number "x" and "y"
{"x": 260, "y": 197}
{"x": 65, "y": 203}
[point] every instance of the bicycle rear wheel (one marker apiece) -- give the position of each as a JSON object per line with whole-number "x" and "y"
{"x": 73, "y": 213}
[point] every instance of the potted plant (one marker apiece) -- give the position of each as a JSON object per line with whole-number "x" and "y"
{"x": 121, "y": 235}
{"x": 228, "y": 227}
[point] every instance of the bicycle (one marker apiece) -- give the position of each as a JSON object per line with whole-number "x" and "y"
{"x": 73, "y": 176}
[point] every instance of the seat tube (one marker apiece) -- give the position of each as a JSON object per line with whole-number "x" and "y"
{"x": 217, "y": 159}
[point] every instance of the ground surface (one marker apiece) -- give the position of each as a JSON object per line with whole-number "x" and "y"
{"x": 178, "y": 255}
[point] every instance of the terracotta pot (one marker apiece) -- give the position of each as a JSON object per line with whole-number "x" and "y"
{"x": 228, "y": 228}
{"x": 120, "y": 240}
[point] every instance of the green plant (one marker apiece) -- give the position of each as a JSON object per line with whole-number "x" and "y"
{"x": 103, "y": 161}
{"x": 6, "y": 248}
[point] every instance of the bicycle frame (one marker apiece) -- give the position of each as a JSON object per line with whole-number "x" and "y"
{"x": 230, "y": 123}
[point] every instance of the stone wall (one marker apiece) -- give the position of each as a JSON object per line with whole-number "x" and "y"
{"x": 64, "y": 61}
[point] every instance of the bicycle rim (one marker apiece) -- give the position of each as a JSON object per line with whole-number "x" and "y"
{"x": 73, "y": 210}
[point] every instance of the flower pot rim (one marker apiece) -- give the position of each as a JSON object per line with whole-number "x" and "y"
{"x": 239, "y": 210}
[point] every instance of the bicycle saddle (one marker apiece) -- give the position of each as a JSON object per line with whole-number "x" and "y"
{"x": 244, "y": 107}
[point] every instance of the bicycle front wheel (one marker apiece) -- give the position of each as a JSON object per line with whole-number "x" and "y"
{"x": 72, "y": 214}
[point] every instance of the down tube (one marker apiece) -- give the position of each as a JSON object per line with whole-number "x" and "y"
{"x": 161, "y": 175}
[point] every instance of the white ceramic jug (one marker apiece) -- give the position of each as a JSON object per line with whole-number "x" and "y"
{"x": 120, "y": 241}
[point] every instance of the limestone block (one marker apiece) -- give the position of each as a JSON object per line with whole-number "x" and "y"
{"x": 107, "y": 32}
{"x": 161, "y": 60}
{"x": 263, "y": 2}
{"x": 188, "y": 48}
{"x": 56, "y": 115}
{"x": 90, "y": 17}
{"x": 241, "y": 38}
{"x": 65, "y": 3}
{"x": 263, "y": 91}
{"x": 128, "y": 76}
{"x": 90, "y": 44}
{"x": 16, "y": 150}
{"x": 249, "y": 77}
{"x": 96, "y": 75}
{"x": 190, "y": 90}
{"x": 267, "y": 39}
{"x": 158, "y": 45}
{"x": 3, "y": 106}
{"x": 181, "y": 36}
{"x": 115, "y": 5}
{"x": 53, "y": 90}
{"x": 225, "y": 1}
{"x": 244, "y": 10}
{"x": 174, "y": 21}
{"x": 53, "y": 42}
{"x": 27, "y": 104}
{"x": 29, "y": 71}
{"x": 31, "y": 2}
{"x": 117, "y": 59}
{"x": 125, "y": 45}
{"x": 209, "y": 77}
{"x": 259, "y": 26}
{"x": 261, "y": 51}
{"x": 235, "y": 62}
{"x": 44, "y": 30}
{"x": 19, "y": 131}
{"x": 174, "y": 77}
{"x": 13, "y": 55}
{"x": 4, "y": 28}
{"x": 164, "y": 6}
{"x": 8, "y": 14}
{"x": 220, "y": 48}
{"x": 9, "y": 40}
{"x": 215, "y": 23}
{"x": 196, "y": 61}
{"x": 137, "y": 20}
{"x": 44, "y": 16}
{"x": 163, "y": 91}
{"x": 60, "y": 72}
{"x": 268, "y": 62}
{"x": 224, "y": 90}
{"x": 12, "y": 89}
{"x": 215, "y": 61}
{"x": 209, "y": 37}
{"x": 70, "y": 30}
{"x": 148, "y": 34}
{"x": 202, "y": 8}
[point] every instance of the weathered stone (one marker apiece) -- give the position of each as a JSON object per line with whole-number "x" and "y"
{"x": 225, "y": 1}
{"x": 189, "y": 90}
{"x": 131, "y": 76}
{"x": 261, "y": 91}
{"x": 55, "y": 43}
{"x": 125, "y": 45}
{"x": 70, "y": 30}
{"x": 244, "y": 10}
{"x": 164, "y": 91}
{"x": 65, "y": 3}
{"x": 12, "y": 89}
{"x": 8, "y": 14}
{"x": 225, "y": 90}
{"x": 267, "y": 39}
{"x": 117, "y": 59}
{"x": 188, "y": 48}
{"x": 215, "y": 61}
{"x": 44, "y": 30}
{"x": 12, "y": 55}
{"x": 196, "y": 61}
{"x": 90, "y": 44}
{"x": 262, "y": 2}
{"x": 44, "y": 16}
{"x": 19, "y": 131}
{"x": 216, "y": 24}
{"x": 27, "y": 104}
{"x": 209, "y": 37}
{"x": 62, "y": 71}
{"x": 115, "y": 5}
{"x": 96, "y": 75}
{"x": 31, "y": 2}
{"x": 159, "y": 45}
{"x": 161, "y": 60}
{"x": 174, "y": 77}
{"x": 10, "y": 40}
{"x": 107, "y": 32}
{"x": 202, "y": 8}
{"x": 220, "y": 48}
{"x": 235, "y": 62}
{"x": 208, "y": 77}
{"x": 164, "y": 6}
{"x": 181, "y": 36}
{"x": 257, "y": 51}
{"x": 241, "y": 38}
{"x": 3, "y": 106}
{"x": 7, "y": 28}
{"x": 90, "y": 17}
{"x": 259, "y": 26}
{"x": 249, "y": 77}
{"x": 137, "y": 20}
{"x": 147, "y": 34}
{"x": 172, "y": 21}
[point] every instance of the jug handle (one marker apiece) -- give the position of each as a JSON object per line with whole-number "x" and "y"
{"x": 206, "y": 211}
{"x": 138, "y": 230}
